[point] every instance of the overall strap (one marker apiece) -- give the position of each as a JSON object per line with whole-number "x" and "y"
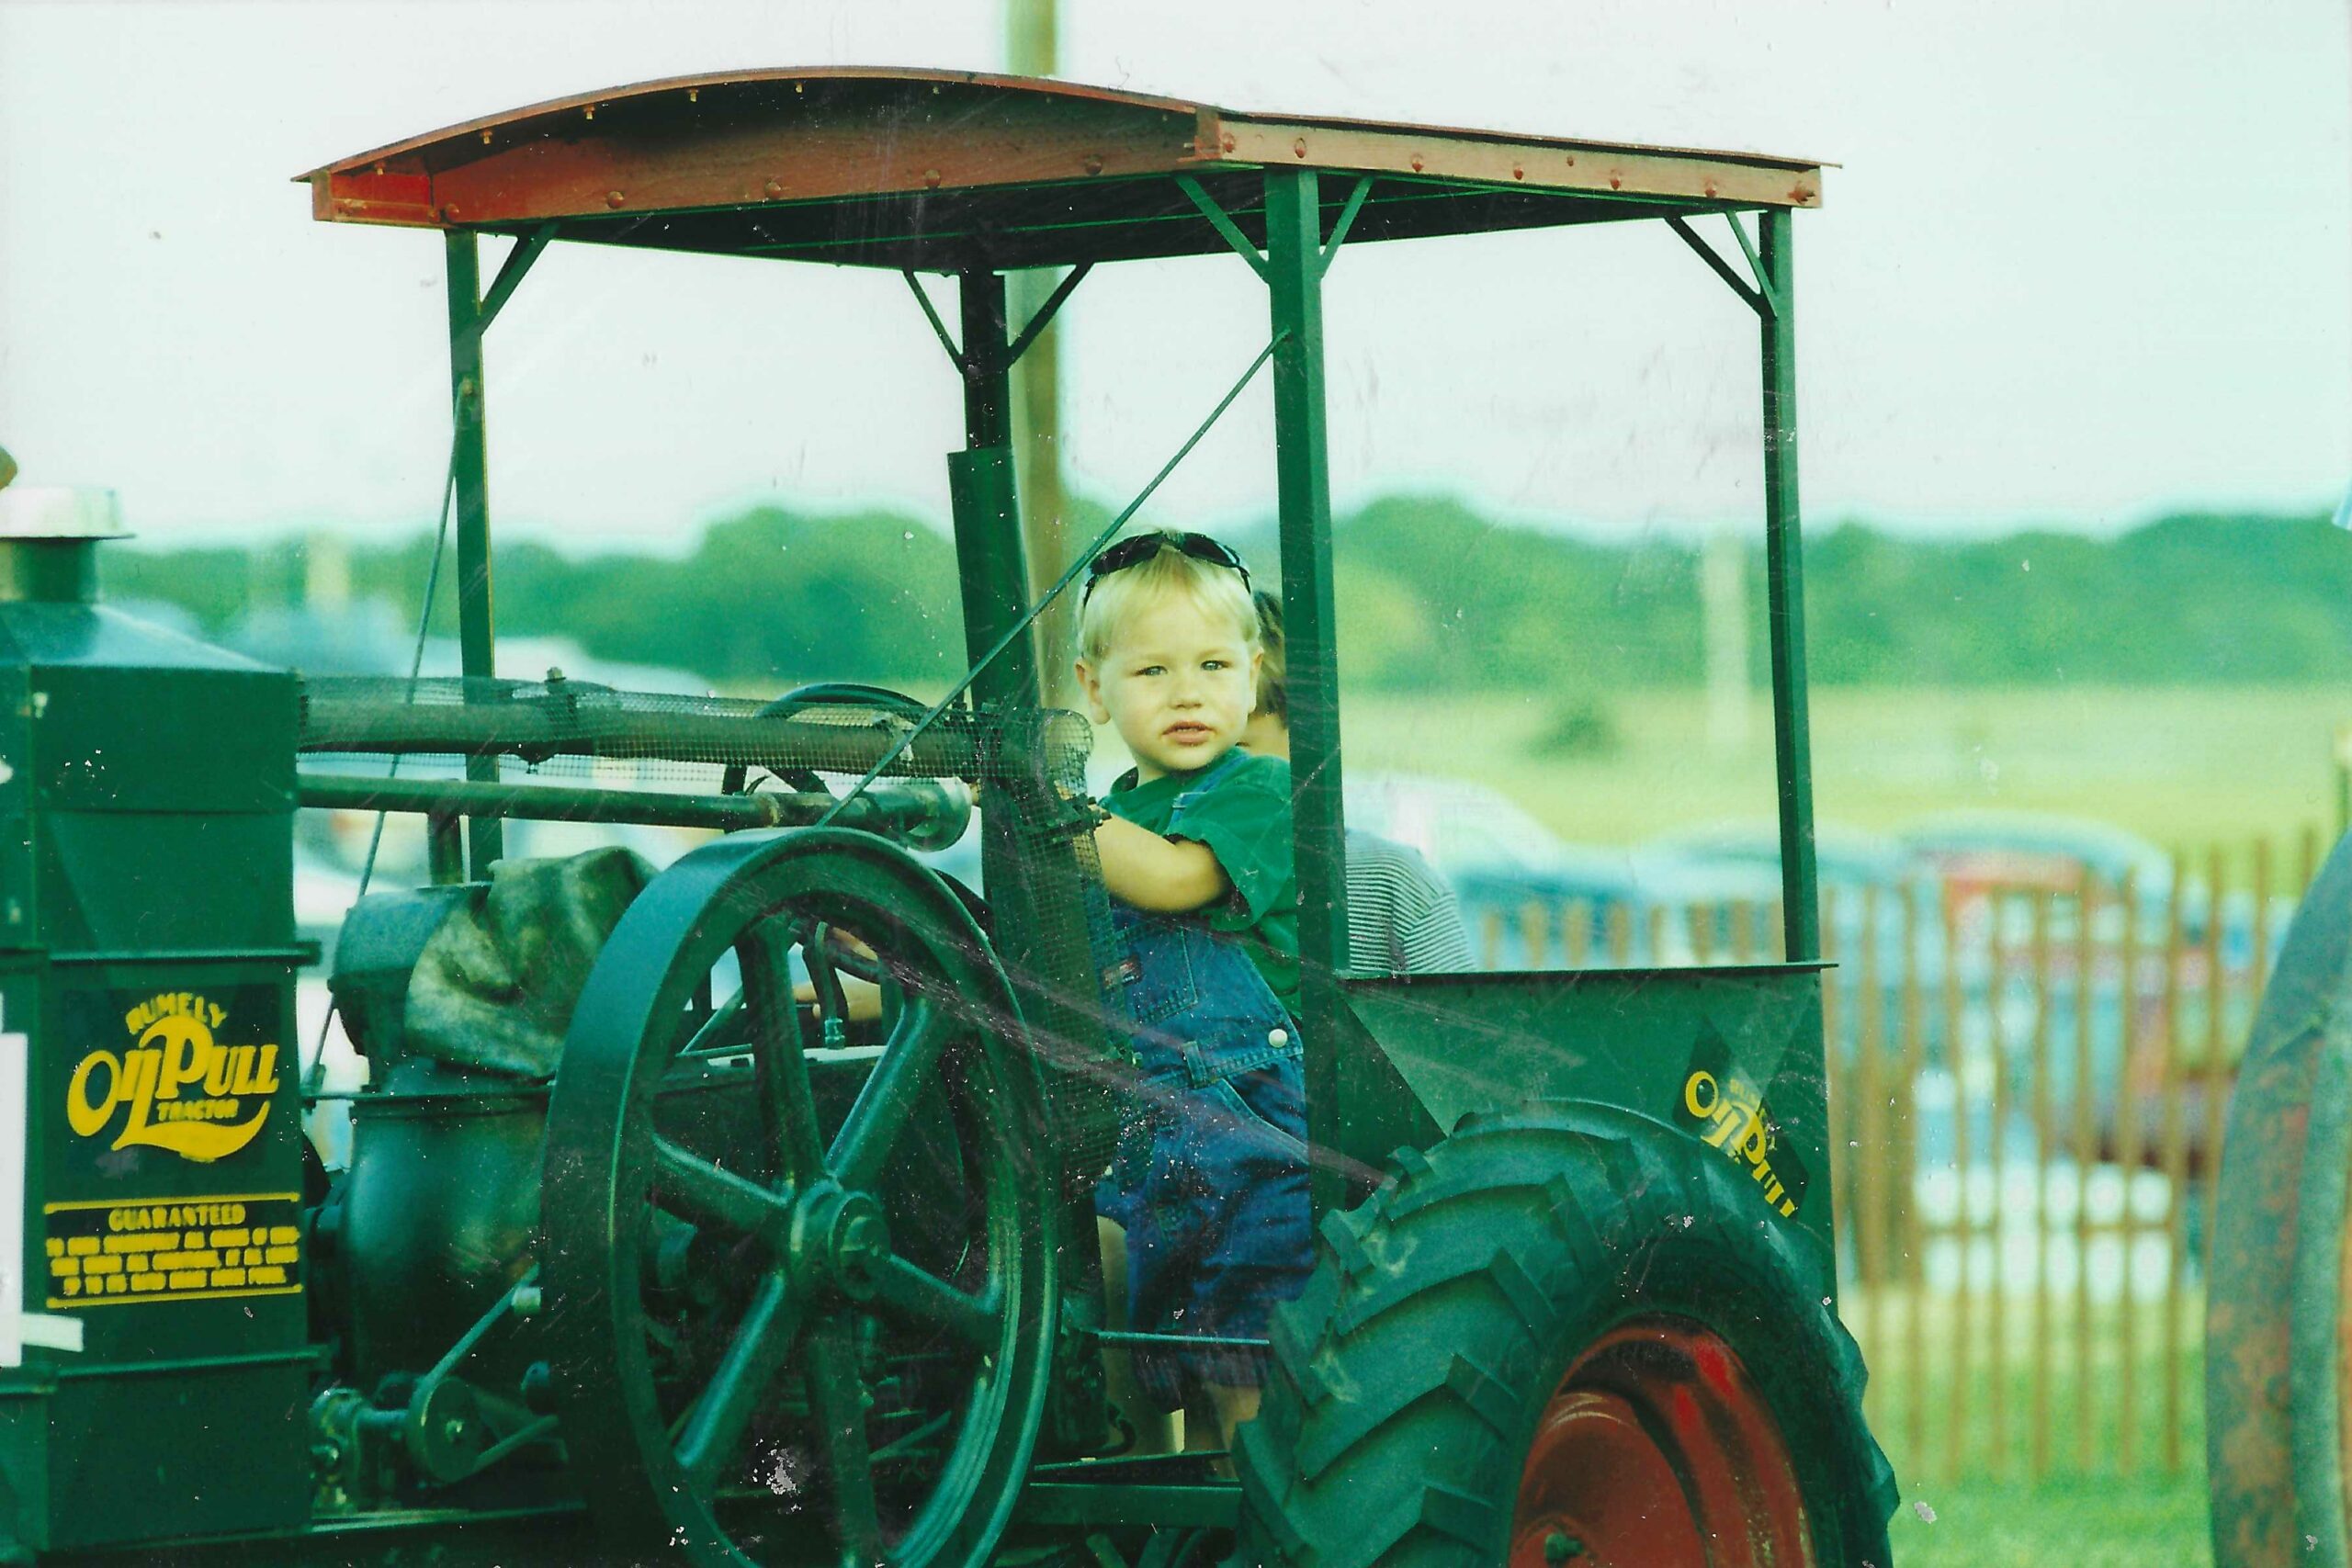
{"x": 1209, "y": 779}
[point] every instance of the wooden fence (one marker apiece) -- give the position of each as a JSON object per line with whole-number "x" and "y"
{"x": 2028, "y": 1082}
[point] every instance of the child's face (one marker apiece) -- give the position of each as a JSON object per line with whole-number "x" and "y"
{"x": 1178, "y": 684}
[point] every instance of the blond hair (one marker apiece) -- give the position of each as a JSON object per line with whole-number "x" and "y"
{"x": 1216, "y": 590}
{"x": 1273, "y": 664}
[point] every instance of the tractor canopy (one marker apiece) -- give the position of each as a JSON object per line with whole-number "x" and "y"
{"x": 953, "y": 171}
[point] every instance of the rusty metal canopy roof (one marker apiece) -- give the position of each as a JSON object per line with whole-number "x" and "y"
{"x": 937, "y": 170}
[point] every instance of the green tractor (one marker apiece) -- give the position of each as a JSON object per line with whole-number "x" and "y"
{"x": 641, "y": 1252}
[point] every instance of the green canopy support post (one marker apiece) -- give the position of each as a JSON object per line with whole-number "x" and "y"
{"x": 470, "y": 465}
{"x": 1303, "y": 491}
{"x": 1784, "y": 588}
{"x": 987, "y": 514}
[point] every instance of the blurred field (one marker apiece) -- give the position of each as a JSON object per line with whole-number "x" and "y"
{"x": 2180, "y": 766}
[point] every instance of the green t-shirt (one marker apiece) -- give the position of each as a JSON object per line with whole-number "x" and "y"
{"x": 1245, "y": 821}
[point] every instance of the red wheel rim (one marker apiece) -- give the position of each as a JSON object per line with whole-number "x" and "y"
{"x": 1657, "y": 1452}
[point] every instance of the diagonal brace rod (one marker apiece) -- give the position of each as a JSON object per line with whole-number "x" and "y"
{"x": 1079, "y": 563}
{"x": 1347, "y": 220}
{"x": 1755, "y": 266}
{"x": 1046, "y": 313}
{"x": 1758, "y": 302}
{"x": 931, "y": 313}
{"x": 510, "y": 274}
{"x": 1224, "y": 224}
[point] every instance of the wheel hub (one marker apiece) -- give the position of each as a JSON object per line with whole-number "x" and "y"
{"x": 1656, "y": 1449}
{"x": 841, "y": 1239}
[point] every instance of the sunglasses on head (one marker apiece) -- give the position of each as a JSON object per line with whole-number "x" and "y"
{"x": 1141, "y": 547}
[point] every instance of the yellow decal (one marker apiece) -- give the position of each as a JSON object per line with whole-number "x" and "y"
{"x": 173, "y": 1250}
{"x": 175, "y": 1088}
{"x": 1731, "y": 1113}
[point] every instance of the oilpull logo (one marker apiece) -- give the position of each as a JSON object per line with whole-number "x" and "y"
{"x": 176, "y": 1087}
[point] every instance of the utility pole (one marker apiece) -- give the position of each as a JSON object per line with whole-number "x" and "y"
{"x": 1032, "y": 49}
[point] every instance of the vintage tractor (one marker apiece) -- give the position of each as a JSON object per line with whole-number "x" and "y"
{"x": 642, "y": 1254}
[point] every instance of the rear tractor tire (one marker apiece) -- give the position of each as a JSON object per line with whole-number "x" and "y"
{"x": 1564, "y": 1335}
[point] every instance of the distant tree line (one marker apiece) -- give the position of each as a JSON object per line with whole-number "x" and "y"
{"x": 1432, "y": 596}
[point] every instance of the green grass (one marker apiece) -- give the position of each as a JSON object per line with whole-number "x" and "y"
{"x": 1989, "y": 1512}
{"x": 2183, "y": 766}
{"x": 2094, "y": 1522}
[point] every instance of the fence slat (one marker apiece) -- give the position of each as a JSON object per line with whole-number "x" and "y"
{"x": 1576, "y": 933}
{"x": 2217, "y": 1009}
{"x": 2127, "y": 1157}
{"x": 2039, "y": 1446}
{"x": 1535, "y": 935}
{"x": 1997, "y": 1305}
{"x": 1621, "y": 936}
{"x": 1842, "y": 1097}
{"x": 1870, "y": 1105}
{"x": 1956, "y": 1059}
{"x": 1906, "y": 1166}
{"x": 1490, "y": 940}
{"x": 2176, "y": 1164}
{"x": 2085, "y": 1151}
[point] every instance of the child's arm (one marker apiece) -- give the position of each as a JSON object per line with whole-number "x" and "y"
{"x": 1168, "y": 875}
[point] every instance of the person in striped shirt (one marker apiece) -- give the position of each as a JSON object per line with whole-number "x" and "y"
{"x": 1402, "y": 918}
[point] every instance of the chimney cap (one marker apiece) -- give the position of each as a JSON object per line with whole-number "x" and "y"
{"x": 59, "y": 512}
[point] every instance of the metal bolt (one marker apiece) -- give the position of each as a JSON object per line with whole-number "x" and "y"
{"x": 772, "y": 189}
{"x": 1519, "y": 171}
{"x": 693, "y": 95}
{"x": 1094, "y": 163}
{"x": 1559, "y": 1546}
{"x": 485, "y": 138}
{"x": 931, "y": 178}
{"x": 590, "y": 111}
{"x": 1299, "y": 146}
{"x": 612, "y": 199}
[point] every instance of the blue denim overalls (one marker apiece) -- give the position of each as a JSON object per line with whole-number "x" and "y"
{"x": 1210, "y": 1181}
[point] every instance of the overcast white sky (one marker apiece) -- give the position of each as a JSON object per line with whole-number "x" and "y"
{"x": 2084, "y": 263}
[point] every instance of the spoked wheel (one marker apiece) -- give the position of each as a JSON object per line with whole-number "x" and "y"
{"x": 1659, "y": 1448}
{"x": 1565, "y": 1335}
{"x": 764, "y": 1350}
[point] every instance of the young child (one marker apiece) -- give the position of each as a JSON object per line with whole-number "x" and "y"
{"x": 1211, "y": 1180}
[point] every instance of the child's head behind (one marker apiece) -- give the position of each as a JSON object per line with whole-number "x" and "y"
{"x": 1168, "y": 652}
